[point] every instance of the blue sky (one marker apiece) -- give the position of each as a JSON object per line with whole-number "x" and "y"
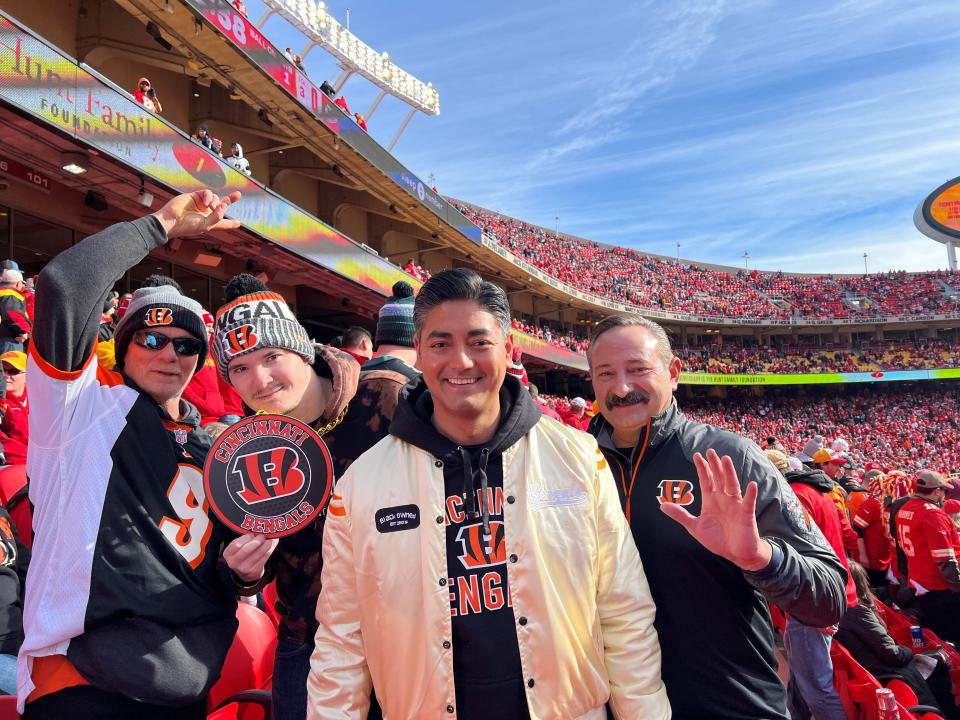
{"x": 802, "y": 133}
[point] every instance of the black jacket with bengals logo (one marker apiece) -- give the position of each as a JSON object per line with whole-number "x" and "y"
{"x": 486, "y": 656}
{"x": 127, "y": 580}
{"x": 712, "y": 618}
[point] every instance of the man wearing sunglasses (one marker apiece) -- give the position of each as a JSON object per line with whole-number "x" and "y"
{"x": 131, "y": 605}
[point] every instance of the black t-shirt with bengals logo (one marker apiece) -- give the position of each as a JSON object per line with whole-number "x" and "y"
{"x": 486, "y": 656}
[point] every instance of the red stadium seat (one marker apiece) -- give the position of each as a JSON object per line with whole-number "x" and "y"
{"x": 242, "y": 692}
{"x": 898, "y": 625}
{"x": 13, "y": 496}
{"x": 8, "y": 708}
{"x": 270, "y": 601}
{"x": 857, "y": 687}
{"x": 903, "y": 693}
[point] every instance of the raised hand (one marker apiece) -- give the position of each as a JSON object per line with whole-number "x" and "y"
{"x": 727, "y": 525}
{"x": 196, "y": 213}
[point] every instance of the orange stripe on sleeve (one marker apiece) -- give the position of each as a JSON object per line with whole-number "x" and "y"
{"x": 56, "y": 373}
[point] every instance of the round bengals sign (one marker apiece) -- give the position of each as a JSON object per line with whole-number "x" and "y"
{"x": 268, "y": 475}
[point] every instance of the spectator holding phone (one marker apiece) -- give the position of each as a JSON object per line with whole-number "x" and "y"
{"x": 147, "y": 96}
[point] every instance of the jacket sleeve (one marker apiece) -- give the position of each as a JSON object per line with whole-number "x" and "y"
{"x": 75, "y": 283}
{"x": 339, "y": 684}
{"x": 804, "y": 578}
{"x": 862, "y": 622}
{"x": 625, "y": 605}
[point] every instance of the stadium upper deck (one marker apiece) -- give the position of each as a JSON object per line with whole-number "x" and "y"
{"x": 649, "y": 282}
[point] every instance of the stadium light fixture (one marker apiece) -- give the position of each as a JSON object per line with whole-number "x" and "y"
{"x": 354, "y": 56}
{"x": 75, "y": 163}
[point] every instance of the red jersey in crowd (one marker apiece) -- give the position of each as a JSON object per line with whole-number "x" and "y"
{"x": 581, "y": 422}
{"x": 14, "y": 428}
{"x": 927, "y": 536}
{"x": 212, "y": 397}
{"x": 871, "y": 520}
{"x": 813, "y": 491}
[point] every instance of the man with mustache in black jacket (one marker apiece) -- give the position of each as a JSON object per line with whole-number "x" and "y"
{"x": 711, "y": 574}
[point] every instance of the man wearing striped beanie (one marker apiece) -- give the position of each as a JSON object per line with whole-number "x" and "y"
{"x": 264, "y": 352}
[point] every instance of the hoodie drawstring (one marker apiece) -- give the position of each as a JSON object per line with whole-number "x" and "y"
{"x": 487, "y": 536}
{"x": 470, "y": 490}
{"x": 469, "y": 496}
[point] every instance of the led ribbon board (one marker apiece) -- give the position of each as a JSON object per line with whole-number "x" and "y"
{"x": 54, "y": 88}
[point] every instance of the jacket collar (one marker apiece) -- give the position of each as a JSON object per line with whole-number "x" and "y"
{"x": 343, "y": 372}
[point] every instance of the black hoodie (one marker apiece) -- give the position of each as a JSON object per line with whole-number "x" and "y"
{"x": 486, "y": 656}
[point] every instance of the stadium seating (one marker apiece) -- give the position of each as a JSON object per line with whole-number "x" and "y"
{"x": 8, "y": 708}
{"x": 657, "y": 283}
{"x": 242, "y": 692}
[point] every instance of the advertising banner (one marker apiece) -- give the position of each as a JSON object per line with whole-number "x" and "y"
{"x": 74, "y": 99}
{"x": 244, "y": 35}
{"x": 818, "y": 378}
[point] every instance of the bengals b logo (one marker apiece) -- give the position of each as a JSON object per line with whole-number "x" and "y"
{"x": 679, "y": 492}
{"x": 239, "y": 340}
{"x": 268, "y": 474}
{"x": 477, "y": 552}
{"x": 158, "y": 316}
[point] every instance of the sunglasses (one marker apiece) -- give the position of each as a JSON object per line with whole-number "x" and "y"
{"x": 185, "y": 346}
{"x": 12, "y": 371}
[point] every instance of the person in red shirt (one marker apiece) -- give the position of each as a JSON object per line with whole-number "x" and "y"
{"x": 832, "y": 464}
{"x": 576, "y": 416}
{"x": 14, "y": 427}
{"x": 871, "y": 523}
{"x": 808, "y": 648}
{"x": 928, "y": 539}
{"x": 209, "y": 393}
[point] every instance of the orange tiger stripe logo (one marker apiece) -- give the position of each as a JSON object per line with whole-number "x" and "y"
{"x": 159, "y": 316}
{"x": 679, "y": 492}
{"x": 239, "y": 340}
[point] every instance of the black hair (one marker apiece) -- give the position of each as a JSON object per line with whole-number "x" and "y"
{"x": 355, "y": 335}
{"x": 158, "y": 280}
{"x": 462, "y": 284}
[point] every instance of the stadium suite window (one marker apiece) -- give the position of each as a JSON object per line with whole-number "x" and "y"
{"x": 34, "y": 241}
{"x": 194, "y": 284}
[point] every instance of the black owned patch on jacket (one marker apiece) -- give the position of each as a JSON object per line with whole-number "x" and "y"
{"x": 395, "y": 519}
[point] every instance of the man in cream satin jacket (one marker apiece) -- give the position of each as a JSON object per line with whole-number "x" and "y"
{"x": 476, "y": 561}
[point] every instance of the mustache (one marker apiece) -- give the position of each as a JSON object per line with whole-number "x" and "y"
{"x": 631, "y": 398}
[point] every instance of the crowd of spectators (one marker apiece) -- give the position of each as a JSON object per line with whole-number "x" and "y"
{"x": 567, "y": 341}
{"x": 903, "y": 427}
{"x": 731, "y": 358}
{"x": 657, "y": 283}
{"x": 417, "y": 271}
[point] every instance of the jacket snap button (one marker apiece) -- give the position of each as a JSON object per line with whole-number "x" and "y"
{"x": 439, "y": 519}
{"x": 443, "y": 581}
{"x": 446, "y": 644}
{"x": 513, "y": 558}
{"x": 511, "y": 499}
{"x": 438, "y": 463}
{"x": 522, "y": 620}
{"x": 450, "y": 709}
{"x": 531, "y": 682}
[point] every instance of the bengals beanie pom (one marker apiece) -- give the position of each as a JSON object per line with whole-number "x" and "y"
{"x": 154, "y": 308}
{"x": 255, "y": 318}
